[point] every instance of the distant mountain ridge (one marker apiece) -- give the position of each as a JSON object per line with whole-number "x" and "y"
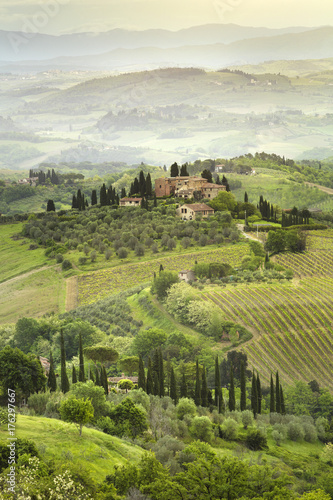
{"x": 18, "y": 46}
{"x": 312, "y": 44}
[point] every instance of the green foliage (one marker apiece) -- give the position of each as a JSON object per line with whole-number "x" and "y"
{"x": 163, "y": 282}
{"x": 187, "y": 407}
{"x": 20, "y": 372}
{"x": 95, "y": 394}
{"x": 125, "y": 384}
{"x": 224, "y": 201}
{"x": 128, "y": 418}
{"x": 77, "y": 411}
{"x": 101, "y": 354}
{"x": 201, "y": 428}
{"x": 256, "y": 440}
{"x": 148, "y": 340}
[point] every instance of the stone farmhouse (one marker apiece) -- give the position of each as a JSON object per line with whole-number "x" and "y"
{"x": 184, "y": 187}
{"x": 190, "y": 211}
{"x": 186, "y": 275}
{"x": 130, "y": 202}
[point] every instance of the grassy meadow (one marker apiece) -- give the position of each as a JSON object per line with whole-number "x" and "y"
{"x": 60, "y": 441}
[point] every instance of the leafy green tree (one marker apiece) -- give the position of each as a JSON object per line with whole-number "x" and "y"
{"x": 201, "y": 428}
{"x": 20, "y": 372}
{"x": 206, "y": 174}
{"x": 276, "y": 241}
{"x": 63, "y": 372}
{"x": 26, "y": 332}
{"x": 95, "y": 394}
{"x": 129, "y": 364}
{"x": 186, "y": 406}
{"x": 128, "y": 414}
{"x": 163, "y": 282}
{"x": 224, "y": 201}
{"x": 101, "y": 353}
{"x": 148, "y": 340}
{"x": 125, "y": 384}
{"x": 77, "y": 411}
{"x": 52, "y": 381}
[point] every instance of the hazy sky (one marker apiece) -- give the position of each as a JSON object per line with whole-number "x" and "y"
{"x": 63, "y": 16}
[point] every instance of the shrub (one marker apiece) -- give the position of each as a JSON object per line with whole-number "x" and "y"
{"x": 202, "y": 428}
{"x": 122, "y": 253}
{"x": 38, "y": 402}
{"x": 66, "y": 264}
{"x": 295, "y": 431}
{"x": 229, "y": 429}
{"x": 256, "y": 440}
{"x": 247, "y": 418}
{"x": 184, "y": 407}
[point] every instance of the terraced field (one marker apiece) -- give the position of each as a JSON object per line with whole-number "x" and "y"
{"x": 292, "y": 323}
{"x": 97, "y": 285}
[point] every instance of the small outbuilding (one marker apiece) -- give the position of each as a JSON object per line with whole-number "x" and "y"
{"x": 186, "y": 276}
{"x": 190, "y": 211}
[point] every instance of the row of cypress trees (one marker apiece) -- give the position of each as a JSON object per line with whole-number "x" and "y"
{"x": 100, "y": 377}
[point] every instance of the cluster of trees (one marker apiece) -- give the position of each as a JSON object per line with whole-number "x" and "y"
{"x": 295, "y": 217}
{"x": 281, "y": 240}
{"x": 50, "y": 176}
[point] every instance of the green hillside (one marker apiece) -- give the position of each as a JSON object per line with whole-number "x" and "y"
{"x": 59, "y": 441}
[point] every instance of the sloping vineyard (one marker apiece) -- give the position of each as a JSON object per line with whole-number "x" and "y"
{"x": 292, "y": 323}
{"x": 99, "y": 284}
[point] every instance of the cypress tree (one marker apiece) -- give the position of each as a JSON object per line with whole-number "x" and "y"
{"x": 254, "y": 396}
{"x": 219, "y": 402}
{"x": 173, "y": 386}
{"x": 63, "y": 373}
{"x": 98, "y": 379}
{"x": 103, "y": 196}
{"x": 197, "y": 391}
{"x": 142, "y": 183}
{"x": 105, "y": 380}
{"x": 74, "y": 201}
{"x": 141, "y": 377}
{"x": 161, "y": 268}
{"x": 94, "y": 197}
{"x": 150, "y": 384}
{"x": 183, "y": 387}
{"x": 277, "y": 393}
{"x": 155, "y": 200}
{"x": 52, "y": 381}
{"x": 242, "y": 388}
{"x": 232, "y": 400}
{"x": 82, "y": 377}
{"x": 272, "y": 399}
{"x": 246, "y": 198}
{"x": 283, "y": 408}
{"x": 149, "y": 187}
{"x": 174, "y": 170}
{"x": 136, "y": 186}
{"x": 156, "y": 384}
{"x": 74, "y": 377}
{"x": 50, "y": 206}
{"x": 204, "y": 389}
{"x": 161, "y": 373}
{"x": 259, "y": 393}
{"x": 91, "y": 375}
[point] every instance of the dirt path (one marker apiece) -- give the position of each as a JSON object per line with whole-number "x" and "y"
{"x": 71, "y": 293}
{"x": 25, "y": 275}
{"x": 321, "y": 188}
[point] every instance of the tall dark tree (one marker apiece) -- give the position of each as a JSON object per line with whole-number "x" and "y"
{"x": 82, "y": 377}
{"x": 254, "y": 396}
{"x": 277, "y": 393}
{"x": 142, "y": 183}
{"x": 183, "y": 170}
{"x": 283, "y": 408}
{"x": 94, "y": 197}
{"x": 63, "y": 372}
{"x": 232, "y": 399}
{"x": 183, "y": 387}
{"x": 206, "y": 174}
{"x": 173, "y": 386}
{"x": 197, "y": 391}
{"x": 150, "y": 382}
{"x": 51, "y": 380}
{"x": 74, "y": 377}
{"x": 161, "y": 372}
{"x": 272, "y": 407}
{"x": 105, "y": 381}
{"x": 149, "y": 187}
{"x": 156, "y": 384}
{"x": 219, "y": 403}
{"x": 141, "y": 377}
{"x": 155, "y": 200}
{"x": 103, "y": 196}
{"x": 259, "y": 393}
{"x": 246, "y": 198}
{"x": 74, "y": 202}
{"x": 204, "y": 389}
{"x": 174, "y": 170}
{"x": 97, "y": 376}
{"x": 242, "y": 388}
{"x": 136, "y": 186}
{"x": 50, "y": 206}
